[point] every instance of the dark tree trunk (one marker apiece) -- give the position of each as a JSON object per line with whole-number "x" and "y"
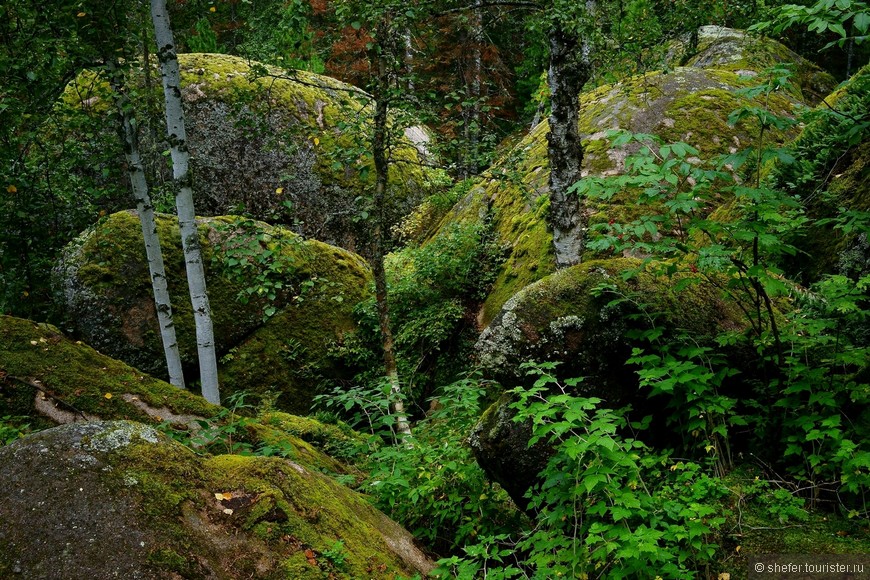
{"x": 568, "y": 72}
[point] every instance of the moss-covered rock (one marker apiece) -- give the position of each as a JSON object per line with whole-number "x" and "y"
{"x": 258, "y": 137}
{"x": 744, "y": 53}
{"x": 563, "y": 318}
{"x": 47, "y": 379}
{"x": 166, "y": 512}
{"x": 104, "y": 285}
{"x": 501, "y": 447}
{"x": 688, "y": 104}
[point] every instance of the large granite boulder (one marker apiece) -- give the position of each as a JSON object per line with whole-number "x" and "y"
{"x": 118, "y": 500}
{"x": 103, "y": 284}
{"x": 690, "y": 104}
{"x": 581, "y": 318}
{"x": 258, "y": 137}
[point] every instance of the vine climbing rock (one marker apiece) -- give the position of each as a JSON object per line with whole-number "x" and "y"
{"x": 259, "y": 138}
{"x": 73, "y": 491}
{"x": 102, "y": 284}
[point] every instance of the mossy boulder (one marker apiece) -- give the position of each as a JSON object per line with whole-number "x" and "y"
{"x": 501, "y": 446}
{"x": 579, "y": 318}
{"x": 47, "y": 379}
{"x": 104, "y": 286}
{"x": 166, "y": 512}
{"x": 749, "y": 54}
{"x": 258, "y": 137}
{"x": 688, "y": 104}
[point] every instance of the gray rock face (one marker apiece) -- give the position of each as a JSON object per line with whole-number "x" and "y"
{"x": 58, "y": 516}
{"x": 115, "y": 499}
{"x": 501, "y": 447}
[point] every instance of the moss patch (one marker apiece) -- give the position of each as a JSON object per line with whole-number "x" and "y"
{"x": 258, "y": 137}
{"x": 103, "y": 279}
{"x": 688, "y": 104}
{"x": 176, "y": 513}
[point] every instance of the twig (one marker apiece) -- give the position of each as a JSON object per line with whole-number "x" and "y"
{"x": 36, "y": 384}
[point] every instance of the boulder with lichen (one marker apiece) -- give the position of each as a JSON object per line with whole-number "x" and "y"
{"x": 167, "y": 512}
{"x": 47, "y": 379}
{"x": 586, "y": 319}
{"x": 690, "y": 104}
{"x": 253, "y": 270}
{"x": 283, "y": 146}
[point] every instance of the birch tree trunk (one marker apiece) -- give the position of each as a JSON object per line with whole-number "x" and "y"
{"x": 568, "y": 72}
{"x": 177, "y": 137}
{"x": 153, "y": 252}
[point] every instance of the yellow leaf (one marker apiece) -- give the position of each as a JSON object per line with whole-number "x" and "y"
{"x": 42, "y": 340}
{"x": 108, "y": 395}
{"x": 81, "y": 14}
{"x": 316, "y": 141}
{"x": 218, "y": 496}
{"x": 11, "y": 189}
{"x": 737, "y": 549}
{"x": 228, "y": 511}
{"x": 279, "y": 190}
{"x": 33, "y": 342}
{"x": 212, "y": 9}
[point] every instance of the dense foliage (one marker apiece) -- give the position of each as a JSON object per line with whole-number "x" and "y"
{"x": 765, "y": 420}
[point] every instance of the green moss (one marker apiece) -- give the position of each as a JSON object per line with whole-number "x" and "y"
{"x": 688, "y": 104}
{"x": 338, "y": 440}
{"x": 290, "y": 354}
{"x": 106, "y": 282}
{"x": 270, "y": 516}
{"x": 81, "y": 377}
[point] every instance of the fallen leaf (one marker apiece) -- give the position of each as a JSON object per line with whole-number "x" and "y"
{"x": 11, "y": 189}
{"x": 279, "y": 190}
{"x": 228, "y": 511}
{"x": 33, "y": 342}
{"x": 108, "y": 395}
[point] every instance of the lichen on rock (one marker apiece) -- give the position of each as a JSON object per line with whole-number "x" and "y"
{"x": 688, "y": 104}
{"x": 103, "y": 283}
{"x": 168, "y": 513}
{"x": 259, "y": 138}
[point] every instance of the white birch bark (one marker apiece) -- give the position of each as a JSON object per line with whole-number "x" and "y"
{"x": 177, "y": 137}
{"x": 153, "y": 252}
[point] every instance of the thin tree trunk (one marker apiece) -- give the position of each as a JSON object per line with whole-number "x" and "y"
{"x": 472, "y": 117}
{"x": 379, "y": 153}
{"x": 149, "y": 230}
{"x": 568, "y": 72}
{"x": 177, "y": 137}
